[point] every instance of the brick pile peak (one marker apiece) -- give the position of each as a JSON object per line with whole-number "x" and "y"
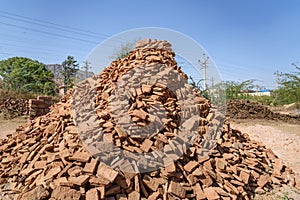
{"x": 46, "y": 159}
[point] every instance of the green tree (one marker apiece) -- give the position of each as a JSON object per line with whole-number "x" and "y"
{"x": 69, "y": 69}
{"x": 26, "y": 75}
{"x": 289, "y": 89}
{"x": 233, "y": 88}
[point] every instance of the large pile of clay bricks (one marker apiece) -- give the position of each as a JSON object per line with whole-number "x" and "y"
{"x": 47, "y": 160}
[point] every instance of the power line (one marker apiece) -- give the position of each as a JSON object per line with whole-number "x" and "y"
{"x": 45, "y": 32}
{"x": 41, "y": 43}
{"x": 54, "y": 24}
{"x": 58, "y": 26}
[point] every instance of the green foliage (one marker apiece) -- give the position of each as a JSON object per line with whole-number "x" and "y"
{"x": 69, "y": 69}
{"x": 289, "y": 90}
{"x": 287, "y": 93}
{"x": 26, "y": 75}
{"x": 266, "y": 100}
{"x": 123, "y": 51}
{"x": 233, "y": 89}
{"x": 284, "y": 196}
{"x": 198, "y": 87}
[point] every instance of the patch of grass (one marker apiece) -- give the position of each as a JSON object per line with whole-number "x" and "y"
{"x": 284, "y": 196}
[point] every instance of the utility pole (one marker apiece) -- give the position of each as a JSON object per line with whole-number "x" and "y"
{"x": 204, "y": 66}
{"x": 86, "y": 68}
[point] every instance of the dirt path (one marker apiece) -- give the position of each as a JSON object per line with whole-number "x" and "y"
{"x": 9, "y": 126}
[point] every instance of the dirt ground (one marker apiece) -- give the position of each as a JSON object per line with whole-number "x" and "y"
{"x": 284, "y": 139}
{"x": 9, "y": 126}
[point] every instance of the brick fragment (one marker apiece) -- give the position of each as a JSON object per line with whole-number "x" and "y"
{"x": 171, "y": 168}
{"x": 152, "y": 184}
{"x": 40, "y": 164}
{"x": 198, "y": 192}
{"x": 134, "y": 195}
{"x": 176, "y": 189}
{"x": 190, "y": 166}
{"x": 146, "y": 88}
{"x": 62, "y": 192}
{"x": 278, "y": 165}
{"x": 99, "y": 181}
{"x": 24, "y": 157}
{"x": 146, "y": 145}
{"x": 154, "y": 196}
{"x": 92, "y": 194}
{"x": 211, "y": 194}
{"x": 91, "y": 166}
{"x": 106, "y": 172}
{"x": 245, "y": 176}
{"x": 263, "y": 180}
{"x": 220, "y": 164}
{"x": 80, "y": 180}
{"x": 52, "y": 172}
{"x": 139, "y": 113}
{"x": 37, "y": 193}
{"x": 81, "y": 156}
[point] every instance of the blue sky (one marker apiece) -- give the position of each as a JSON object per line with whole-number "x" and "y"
{"x": 246, "y": 39}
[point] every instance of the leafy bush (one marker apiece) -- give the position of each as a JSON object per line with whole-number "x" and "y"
{"x": 26, "y": 75}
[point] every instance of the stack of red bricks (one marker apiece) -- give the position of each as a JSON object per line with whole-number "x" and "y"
{"x": 46, "y": 159}
{"x": 39, "y": 106}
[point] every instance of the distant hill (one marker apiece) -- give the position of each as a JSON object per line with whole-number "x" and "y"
{"x": 57, "y": 71}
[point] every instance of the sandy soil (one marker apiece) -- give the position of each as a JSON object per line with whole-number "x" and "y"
{"x": 9, "y": 126}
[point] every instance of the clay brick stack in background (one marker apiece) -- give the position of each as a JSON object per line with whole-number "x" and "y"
{"x": 47, "y": 160}
{"x": 245, "y": 109}
{"x": 13, "y": 107}
{"x": 39, "y": 106}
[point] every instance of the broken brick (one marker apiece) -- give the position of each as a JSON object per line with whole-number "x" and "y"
{"x": 106, "y": 172}
{"x": 146, "y": 145}
{"x": 92, "y": 194}
{"x": 81, "y": 157}
{"x": 176, "y": 189}
{"x": 211, "y": 194}
{"x": 190, "y": 166}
